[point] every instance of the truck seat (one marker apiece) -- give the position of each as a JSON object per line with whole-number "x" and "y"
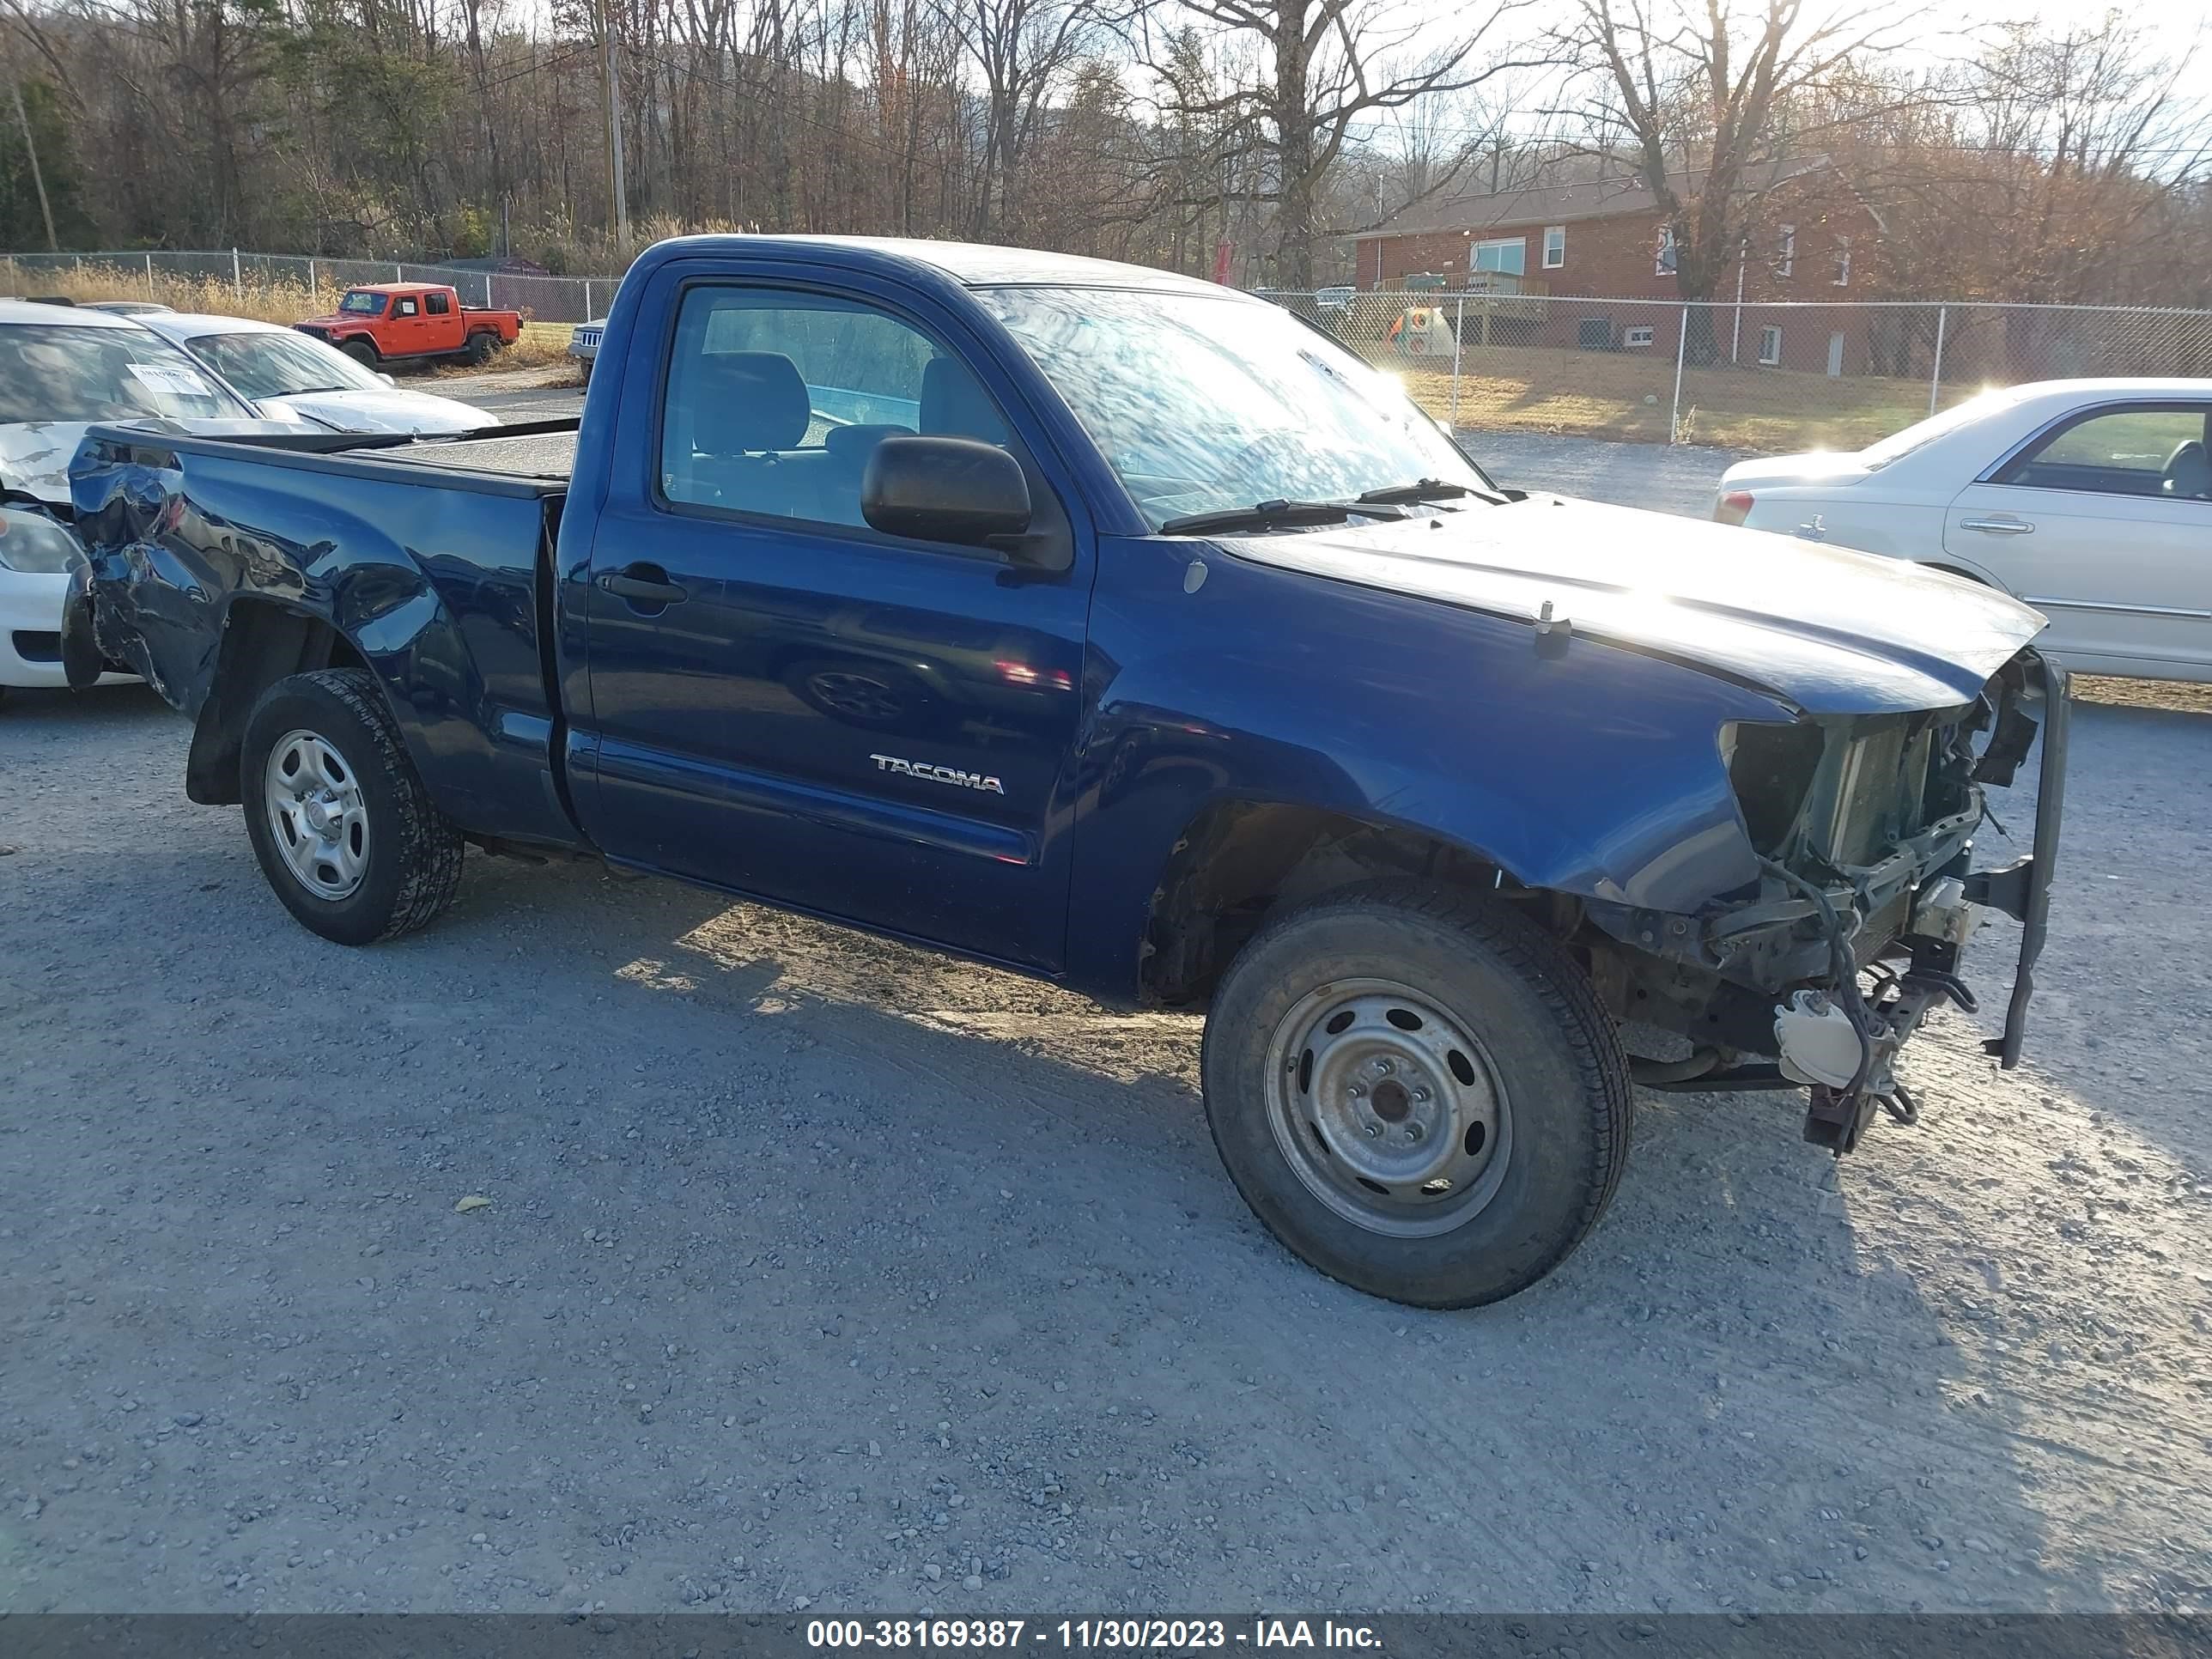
{"x": 750, "y": 414}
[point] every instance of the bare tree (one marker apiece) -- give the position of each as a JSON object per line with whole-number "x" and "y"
{"x": 1024, "y": 50}
{"x": 1696, "y": 98}
{"x": 1303, "y": 74}
{"x": 2058, "y": 165}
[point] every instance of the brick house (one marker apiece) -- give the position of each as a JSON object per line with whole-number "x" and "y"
{"x": 1813, "y": 242}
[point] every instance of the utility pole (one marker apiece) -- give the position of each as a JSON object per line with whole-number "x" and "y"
{"x": 38, "y": 178}
{"x": 615, "y": 185}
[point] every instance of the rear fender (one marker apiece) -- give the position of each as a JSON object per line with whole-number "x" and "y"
{"x": 206, "y": 566}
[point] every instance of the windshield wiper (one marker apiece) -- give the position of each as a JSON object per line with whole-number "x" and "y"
{"x": 1421, "y": 489}
{"x": 1272, "y": 515}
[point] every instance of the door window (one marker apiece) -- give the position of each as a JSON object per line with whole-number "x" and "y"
{"x": 406, "y": 309}
{"x": 774, "y": 400}
{"x": 439, "y": 304}
{"x": 2159, "y": 452}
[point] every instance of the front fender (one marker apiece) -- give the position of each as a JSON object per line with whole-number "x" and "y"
{"x": 1576, "y": 766}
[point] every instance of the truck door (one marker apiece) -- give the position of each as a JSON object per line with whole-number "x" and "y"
{"x": 406, "y": 330}
{"x": 442, "y": 322}
{"x": 786, "y": 702}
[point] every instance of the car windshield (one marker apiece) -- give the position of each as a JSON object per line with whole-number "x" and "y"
{"x": 362, "y": 303}
{"x": 75, "y": 373}
{"x": 1201, "y": 404}
{"x": 1900, "y": 444}
{"x": 281, "y": 364}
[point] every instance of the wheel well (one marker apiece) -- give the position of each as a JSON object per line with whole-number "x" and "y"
{"x": 262, "y": 644}
{"x": 1239, "y": 862}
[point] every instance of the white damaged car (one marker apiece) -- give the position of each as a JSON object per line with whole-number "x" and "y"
{"x": 63, "y": 368}
{"x": 284, "y": 373}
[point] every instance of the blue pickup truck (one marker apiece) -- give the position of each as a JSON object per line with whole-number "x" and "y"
{"x": 1114, "y": 627}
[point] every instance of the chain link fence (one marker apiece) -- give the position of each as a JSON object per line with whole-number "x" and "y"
{"x": 1747, "y": 375}
{"x": 1770, "y": 377}
{"x": 284, "y": 286}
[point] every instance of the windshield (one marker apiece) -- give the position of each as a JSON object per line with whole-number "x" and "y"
{"x": 1202, "y": 404}
{"x": 1903, "y": 443}
{"x": 278, "y": 365}
{"x": 78, "y": 373}
{"x": 362, "y": 303}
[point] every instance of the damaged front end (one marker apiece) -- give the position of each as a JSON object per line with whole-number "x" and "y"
{"x": 1817, "y": 975}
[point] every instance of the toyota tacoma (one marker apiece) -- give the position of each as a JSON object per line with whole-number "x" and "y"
{"x": 1116, "y": 629}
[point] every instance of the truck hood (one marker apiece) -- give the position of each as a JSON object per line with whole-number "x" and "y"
{"x": 34, "y": 455}
{"x": 1824, "y": 629}
{"x": 392, "y": 410}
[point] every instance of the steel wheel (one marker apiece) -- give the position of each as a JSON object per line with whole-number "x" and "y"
{"x": 317, "y": 817}
{"x": 1386, "y": 1109}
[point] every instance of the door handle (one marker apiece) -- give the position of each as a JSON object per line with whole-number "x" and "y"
{"x": 1999, "y": 526}
{"x": 642, "y": 584}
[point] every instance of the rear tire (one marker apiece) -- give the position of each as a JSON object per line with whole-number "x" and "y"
{"x": 480, "y": 348}
{"x": 344, "y": 831}
{"x": 1417, "y": 1092}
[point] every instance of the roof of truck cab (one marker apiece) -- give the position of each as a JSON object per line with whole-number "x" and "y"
{"x": 973, "y": 264}
{"x": 391, "y": 288}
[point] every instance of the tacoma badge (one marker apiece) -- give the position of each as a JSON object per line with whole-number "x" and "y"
{"x": 907, "y": 769}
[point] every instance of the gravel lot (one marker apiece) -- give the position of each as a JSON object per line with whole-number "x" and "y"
{"x": 1679, "y": 479}
{"x": 819, "y": 1270}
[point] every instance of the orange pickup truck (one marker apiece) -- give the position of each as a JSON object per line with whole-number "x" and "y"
{"x": 401, "y": 322}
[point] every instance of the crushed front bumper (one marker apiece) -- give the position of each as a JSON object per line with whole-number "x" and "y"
{"x": 1725, "y": 977}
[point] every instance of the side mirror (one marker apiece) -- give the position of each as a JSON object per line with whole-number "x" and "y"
{"x": 386, "y": 379}
{"x": 944, "y": 489}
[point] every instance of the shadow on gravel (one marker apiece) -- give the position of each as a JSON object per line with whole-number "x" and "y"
{"x": 1731, "y": 1360}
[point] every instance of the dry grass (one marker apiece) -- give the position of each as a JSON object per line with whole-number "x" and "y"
{"x": 1599, "y": 394}
{"x": 279, "y": 302}
{"x": 2171, "y": 695}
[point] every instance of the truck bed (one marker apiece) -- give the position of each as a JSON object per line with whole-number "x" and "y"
{"x": 430, "y": 556}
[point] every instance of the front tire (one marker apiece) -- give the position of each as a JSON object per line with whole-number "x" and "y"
{"x": 1417, "y": 1092}
{"x": 344, "y": 829}
{"x": 363, "y": 353}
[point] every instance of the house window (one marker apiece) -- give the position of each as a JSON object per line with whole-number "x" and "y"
{"x": 1636, "y": 336}
{"x": 1785, "y": 251}
{"x": 1508, "y": 255}
{"x": 1843, "y": 261}
{"x": 1663, "y": 265}
{"x": 1770, "y": 346}
{"x": 1555, "y": 247}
